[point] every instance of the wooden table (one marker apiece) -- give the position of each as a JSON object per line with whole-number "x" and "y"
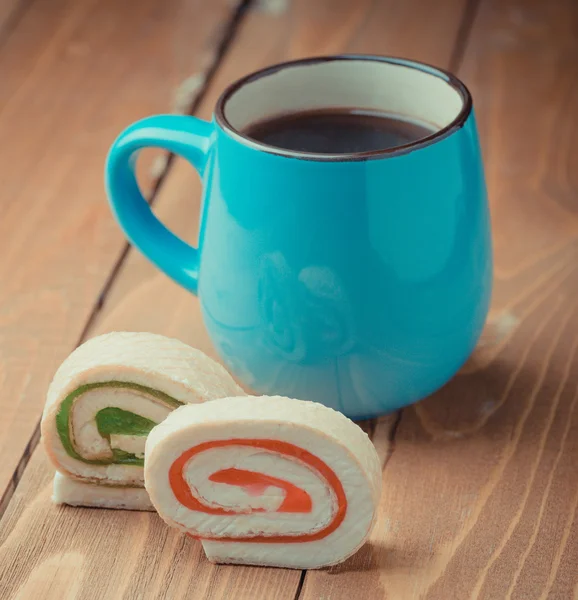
{"x": 480, "y": 486}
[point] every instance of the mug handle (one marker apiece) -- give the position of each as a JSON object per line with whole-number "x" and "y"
{"x": 184, "y": 135}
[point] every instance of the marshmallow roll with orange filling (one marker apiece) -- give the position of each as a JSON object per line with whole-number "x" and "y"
{"x": 265, "y": 481}
{"x": 104, "y": 400}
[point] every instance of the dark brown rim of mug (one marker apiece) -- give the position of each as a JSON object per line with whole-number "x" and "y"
{"x": 438, "y": 135}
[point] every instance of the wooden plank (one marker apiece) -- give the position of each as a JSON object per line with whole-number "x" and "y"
{"x": 9, "y": 10}
{"x": 480, "y": 494}
{"x": 73, "y": 74}
{"x": 143, "y": 299}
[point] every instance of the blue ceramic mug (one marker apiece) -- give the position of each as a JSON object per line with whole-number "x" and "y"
{"x": 361, "y": 281}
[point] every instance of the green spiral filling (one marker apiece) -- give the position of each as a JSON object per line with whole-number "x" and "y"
{"x": 115, "y": 421}
{"x": 110, "y": 421}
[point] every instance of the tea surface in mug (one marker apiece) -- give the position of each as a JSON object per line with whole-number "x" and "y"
{"x": 337, "y": 131}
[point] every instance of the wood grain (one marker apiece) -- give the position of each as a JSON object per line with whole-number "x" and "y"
{"x": 480, "y": 494}
{"x": 73, "y": 74}
{"x": 141, "y": 298}
{"x": 9, "y": 10}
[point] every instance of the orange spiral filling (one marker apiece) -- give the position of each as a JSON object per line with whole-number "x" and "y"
{"x": 296, "y": 499}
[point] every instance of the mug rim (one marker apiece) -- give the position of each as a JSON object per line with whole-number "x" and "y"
{"x": 455, "y": 124}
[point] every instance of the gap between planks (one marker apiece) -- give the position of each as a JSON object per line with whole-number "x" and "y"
{"x": 223, "y": 46}
{"x": 471, "y": 10}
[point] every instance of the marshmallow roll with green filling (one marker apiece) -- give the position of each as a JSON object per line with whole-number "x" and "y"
{"x": 104, "y": 400}
{"x": 265, "y": 481}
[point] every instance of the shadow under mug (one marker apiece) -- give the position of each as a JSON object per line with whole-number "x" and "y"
{"x": 360, "y": 281}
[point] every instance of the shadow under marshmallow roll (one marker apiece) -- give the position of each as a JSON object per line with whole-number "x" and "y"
{"x": 265, "y": 480}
